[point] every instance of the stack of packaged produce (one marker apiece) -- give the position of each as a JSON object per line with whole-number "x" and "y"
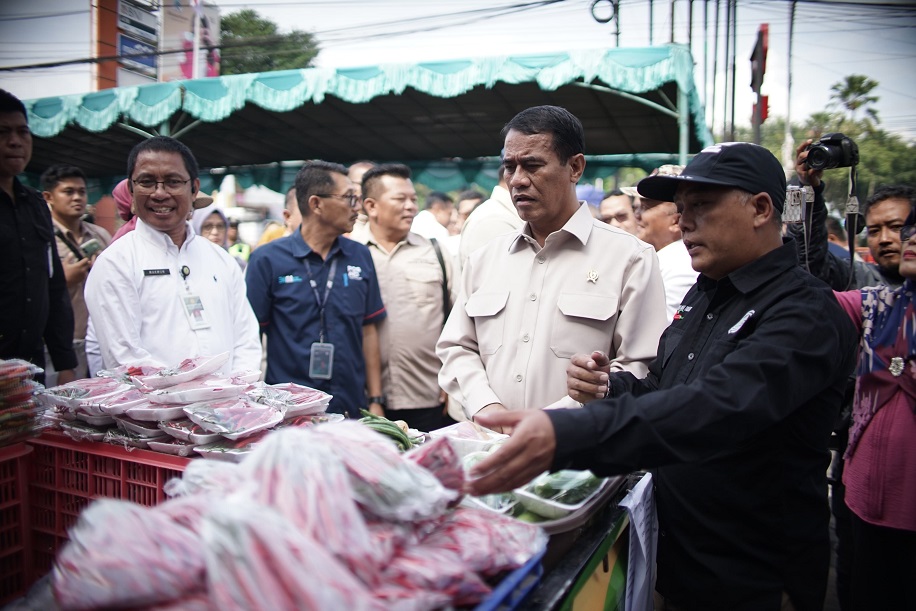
{"x": 20, "y": 412}
{"x": 186, "y": 410}
{"x": 328, "y": 517}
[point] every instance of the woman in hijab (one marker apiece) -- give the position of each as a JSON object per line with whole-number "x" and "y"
{"x": 211, "y": 223}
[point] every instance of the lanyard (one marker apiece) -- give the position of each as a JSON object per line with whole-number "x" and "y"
{"x": 322, "y": 302}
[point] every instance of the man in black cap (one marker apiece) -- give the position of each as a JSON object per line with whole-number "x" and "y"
{"x": 735, "y": 412}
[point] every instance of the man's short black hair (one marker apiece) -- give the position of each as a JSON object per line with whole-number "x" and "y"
{"x": 438, "y": 197}
{"x": 470, "y": 194}
{"x": 835, "y": 226}
{"x": 315, "y": 178}
{"x": 617, "y": 193}
{"x": 10, "y": 103}
{"x": 56, "y": 173}
{"x": 567, "y": 130}
{"x": 161, "y": 144}
{"x": 885, "y": 192}
{"x": 372, "y": 177}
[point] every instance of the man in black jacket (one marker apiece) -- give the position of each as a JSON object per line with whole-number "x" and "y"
{"x": 34, "y": 303}
{"x": 735, "y": 412}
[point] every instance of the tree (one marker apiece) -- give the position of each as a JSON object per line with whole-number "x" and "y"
{"x": 852, "y": 93}
{"x": 251, "y": 43}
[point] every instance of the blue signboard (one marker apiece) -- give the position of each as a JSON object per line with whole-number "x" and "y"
{"x": 137, "y": 55}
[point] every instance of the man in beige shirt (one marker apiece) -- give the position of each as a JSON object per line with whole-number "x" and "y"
{"x": 78, "y": 243}
{"x": 416, "y": 286}
{"x": 528, "y": 301}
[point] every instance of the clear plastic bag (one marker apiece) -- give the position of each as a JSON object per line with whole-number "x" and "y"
{"x": 257, "y": 559}
{"x": 299, "y": 476}
{"x": 124, "y": 554}
{"x": 384, "y": 484}
{"x": 488, "y": 543}
{"x": 202, "y": 476}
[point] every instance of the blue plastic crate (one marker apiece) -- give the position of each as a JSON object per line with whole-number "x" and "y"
{"x": 512, "y": 591}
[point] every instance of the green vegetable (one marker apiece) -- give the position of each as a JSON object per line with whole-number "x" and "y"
{"x": 566, "y": 487}
{"x": 383, "y": 425}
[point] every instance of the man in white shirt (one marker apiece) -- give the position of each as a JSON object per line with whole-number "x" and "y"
{"x": 529, "y": 300}
{"x": 657, "y": 224}
{"x": 161, "y": 293}
{"x": 433, "y": 222}
{"x": 494, "y": 217}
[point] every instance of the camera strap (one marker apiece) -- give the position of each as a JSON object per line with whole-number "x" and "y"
{"x": 853, "y": 219}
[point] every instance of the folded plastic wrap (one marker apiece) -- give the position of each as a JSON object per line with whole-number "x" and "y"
{"x": 297, "y": 400}
{"x": 205, "y": 388}
{"x": 97, "y": 568}
{"x": 383, "y": 483}
{"x": 234, "y": 418}
{"x": 186, "y": 371}
{"x": 257, "y": 559}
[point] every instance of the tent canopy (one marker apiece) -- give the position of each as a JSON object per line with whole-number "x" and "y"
{"x": 632, "y": 103}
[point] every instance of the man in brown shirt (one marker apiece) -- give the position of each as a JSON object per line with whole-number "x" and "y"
{"x": 78, "y": 243}
{"x": 416, "y": 285}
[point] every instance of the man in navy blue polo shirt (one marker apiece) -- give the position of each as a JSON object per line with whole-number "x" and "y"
{"x": 316, "y": 296}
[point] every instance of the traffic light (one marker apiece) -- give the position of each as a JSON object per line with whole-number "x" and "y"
{"x": 759, "y": 57}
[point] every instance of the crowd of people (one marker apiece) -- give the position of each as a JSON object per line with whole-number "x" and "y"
{"x": 677, "y": 326}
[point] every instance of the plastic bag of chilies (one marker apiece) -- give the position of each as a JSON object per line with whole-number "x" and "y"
{"x": 384, "y": 483}
{"x": 299, "y": 476}
{"x": 257, "y": 559}
{"x": 124, "y": 554}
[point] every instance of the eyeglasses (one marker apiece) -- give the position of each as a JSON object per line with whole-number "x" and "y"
{"x": 907, "y": 232}
{"x": 351, "y": 198}
{"x": 208, "y": 227}
{"x": 171, "y": 185}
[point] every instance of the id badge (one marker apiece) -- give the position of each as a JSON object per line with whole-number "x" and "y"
{"x": 194, "y": 310}
{"x": 321, "y": 362}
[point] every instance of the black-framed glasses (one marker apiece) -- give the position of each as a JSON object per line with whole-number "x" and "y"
{"x": 907, "y": 232}
{"x": 171, "y": 185}
{"x": 351, "y": 198}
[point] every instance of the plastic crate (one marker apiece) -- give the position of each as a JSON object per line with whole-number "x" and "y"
{"x": 15, "y": 560}
{"x": 515, "y": 587}
{"x": 66, "y": 475}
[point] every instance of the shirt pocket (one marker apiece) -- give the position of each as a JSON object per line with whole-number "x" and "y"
{"x": 425, "y": 285}
{"x": 582, "y": 323}
{"x": 488, "y": 311}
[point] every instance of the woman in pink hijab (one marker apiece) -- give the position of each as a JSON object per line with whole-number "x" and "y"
{"x": 122, "y": 197}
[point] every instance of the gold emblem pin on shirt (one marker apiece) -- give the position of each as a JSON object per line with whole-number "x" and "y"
{"x": 593, "y": 277}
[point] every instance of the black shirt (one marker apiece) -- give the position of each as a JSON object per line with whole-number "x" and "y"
{"x": 734, "y": 414}
{"x": 34, "y": 303}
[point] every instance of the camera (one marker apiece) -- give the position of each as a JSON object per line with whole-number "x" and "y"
{"x": 832, "y": 151}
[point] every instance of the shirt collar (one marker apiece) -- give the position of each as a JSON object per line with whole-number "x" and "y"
{"x": 66, "y": 231}
{"x": 300, "y": 249}
{"x": 578, "y": 226}
{"x": 758, "y": 272}
{"x": 160, "y": 238}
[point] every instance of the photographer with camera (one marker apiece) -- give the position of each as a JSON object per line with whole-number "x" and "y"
{"x": 860, "y": 538}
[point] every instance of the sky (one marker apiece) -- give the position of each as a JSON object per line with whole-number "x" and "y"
{"x": 831, "y": 40}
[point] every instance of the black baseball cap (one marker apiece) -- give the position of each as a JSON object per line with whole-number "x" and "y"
{"x": 742, "y": 165}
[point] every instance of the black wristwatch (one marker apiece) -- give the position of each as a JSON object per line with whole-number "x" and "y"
{"x": 380, "y": 399}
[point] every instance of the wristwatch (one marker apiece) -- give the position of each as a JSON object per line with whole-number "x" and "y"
{"x": 380, "y": 399}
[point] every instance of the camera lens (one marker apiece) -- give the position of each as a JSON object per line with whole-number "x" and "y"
{"x": 820, "y": 157}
